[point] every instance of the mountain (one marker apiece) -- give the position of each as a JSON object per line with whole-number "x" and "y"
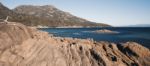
{"x": 5, "y": 11}
{"x": 54, "y": 16}
{"x": 45, "y": 16}
{"x": 25, "y": 46}
{"x": 22, "y": 18}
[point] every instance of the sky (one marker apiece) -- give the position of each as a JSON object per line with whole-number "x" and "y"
{"x": 113, "y": 12}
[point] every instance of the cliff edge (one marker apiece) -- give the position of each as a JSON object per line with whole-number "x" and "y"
{"x": 26, "y": 46}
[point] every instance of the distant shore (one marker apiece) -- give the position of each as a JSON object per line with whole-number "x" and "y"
{"x": 69, "y": 27}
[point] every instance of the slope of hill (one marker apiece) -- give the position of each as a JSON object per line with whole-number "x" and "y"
{"x": 25, "y": 19}
{"x": 45, "y": 16}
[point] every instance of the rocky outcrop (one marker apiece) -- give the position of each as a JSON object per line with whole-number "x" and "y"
{"x": 26, "y": 46}
{"x": 105, "y": 31}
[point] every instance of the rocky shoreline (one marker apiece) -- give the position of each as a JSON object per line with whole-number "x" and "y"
{"x": 21, "y": 45}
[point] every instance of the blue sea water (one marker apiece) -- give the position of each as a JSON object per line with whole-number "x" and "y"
{"x": 136, "y": 34}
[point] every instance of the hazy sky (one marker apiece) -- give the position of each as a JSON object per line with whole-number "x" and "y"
{"x": 113, "y": 12}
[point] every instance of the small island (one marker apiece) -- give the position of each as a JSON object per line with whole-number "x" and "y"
{"x": 105, "y": 31}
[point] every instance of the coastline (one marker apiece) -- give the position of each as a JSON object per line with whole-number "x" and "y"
{"x": 70, "y": 27}
{"x": 29, "y": 46}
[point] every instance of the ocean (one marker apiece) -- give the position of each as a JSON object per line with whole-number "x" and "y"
{"x": 135, "y": 34}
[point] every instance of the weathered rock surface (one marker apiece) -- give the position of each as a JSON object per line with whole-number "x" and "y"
{"x": 26, "y": 46}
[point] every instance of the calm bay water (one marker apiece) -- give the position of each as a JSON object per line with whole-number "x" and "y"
{"x": 137, "y": 34}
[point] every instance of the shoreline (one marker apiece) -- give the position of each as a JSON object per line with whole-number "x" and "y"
{"x": 23, "y": 45}
{"x": 72, "y": 27}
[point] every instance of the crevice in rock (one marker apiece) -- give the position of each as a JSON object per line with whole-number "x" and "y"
{"x": 97, "y": 58}
{"x": 104, "y": 48}
{"x": 112, "y": 57}
{"x": 134, "y": 64}
{"x": 81, "y": 48}
{"x": 110, "y": 46}
{"x": 125, "y": 62}
{"x": 126, "y": 50}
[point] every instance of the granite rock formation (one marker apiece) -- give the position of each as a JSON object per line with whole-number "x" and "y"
{"x": 26, "y": 46}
